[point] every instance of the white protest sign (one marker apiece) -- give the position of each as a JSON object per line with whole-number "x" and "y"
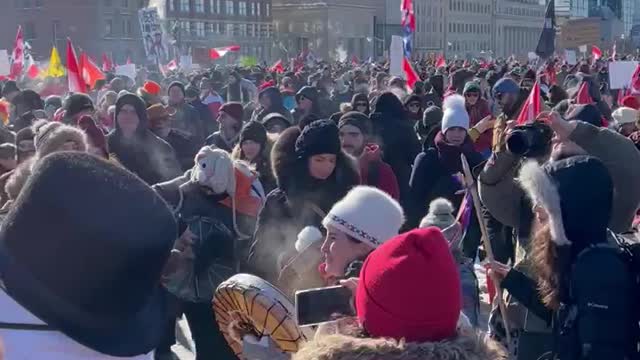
{"x": 5, "y": 66}
{"x": 620, "y": 73}
{"x": 128, "y": 70}
{"x": 571, "y": 57}
{"x": 186, "y": 62}
{"x": 583, "y": 48}
{"x": 532, "y": 56}
{"x": 153, "y": 38}
{"x": 397, "y": 53}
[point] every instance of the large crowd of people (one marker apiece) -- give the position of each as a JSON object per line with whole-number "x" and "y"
{"x": 124, "y": 208}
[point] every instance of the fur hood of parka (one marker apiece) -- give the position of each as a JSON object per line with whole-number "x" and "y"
{"x": 466, "y": 346}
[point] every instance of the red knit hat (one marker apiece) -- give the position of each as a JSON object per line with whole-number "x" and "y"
{"x": 152, "y": 87}
{"x": 410, "y": 288}
{"x": 631, "y": 101}
{"x": 233, "y": 109}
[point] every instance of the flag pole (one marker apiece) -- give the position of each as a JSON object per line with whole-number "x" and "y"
{"x": 470, "y": 184}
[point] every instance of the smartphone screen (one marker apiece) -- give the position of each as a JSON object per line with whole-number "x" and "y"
{"x": 316, "y": 306}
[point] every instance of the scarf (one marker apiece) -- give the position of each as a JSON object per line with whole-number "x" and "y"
{"x": 449, "y": 154}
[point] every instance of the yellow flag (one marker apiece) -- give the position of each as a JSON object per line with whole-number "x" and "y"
{"x": 55, "y": 65}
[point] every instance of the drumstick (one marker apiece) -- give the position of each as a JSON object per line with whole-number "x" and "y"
{"x": 470, "y": 184}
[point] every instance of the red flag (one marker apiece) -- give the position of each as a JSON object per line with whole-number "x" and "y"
{"x": 172, "y": 65}
{"x": 277, "y": 67}
{"x": 91, "y": 73}
{"x": 74, "y": 77}
{"x": 107, "y": 65}
{"x": 217, "y": 53}
{"x": 532, "y": 107}
{"x": 409, "y": 72}
{"x": 355, "y": 61}
{"x": 583, "y": 97}
{"x": 17, "y": 56}
{"x": 32, "y": 69}
{"x": 635, "y": 82}
{"x": 596, "y": 52}
{"x": 551, "y": 74}
{"x": 440, "y": 61}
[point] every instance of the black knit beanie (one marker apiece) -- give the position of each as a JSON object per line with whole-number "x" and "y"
{"x": 76, "y": 103}
{"x": 178, "y": 84}
{"x": 357, "y": 119}
{"x": 319, "y": 137}
{"x": 141, "y": 110}
{"x": 254, "y": 131}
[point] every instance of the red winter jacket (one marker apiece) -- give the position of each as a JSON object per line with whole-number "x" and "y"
{"x": 371, "y": 160}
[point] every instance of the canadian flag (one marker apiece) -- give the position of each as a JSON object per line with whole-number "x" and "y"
{"x": 17, "y": 56}
{"x": 91, "y": 73}
{"x": 583, "y": 97}
{"x": 76, "y": 83}
{"x": 635, "y": 81}
{"x": 532, "y": 107}
{"x": 277, "y": 67}
{"x": 596, "y": 52}
{"x": 409, "y": 72}
{"x": 217, "y": 53}
{"x": 32, "y": 68}
{"x": 440, "y": 61}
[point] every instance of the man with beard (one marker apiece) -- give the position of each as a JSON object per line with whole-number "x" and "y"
{"x": 187, "y": 117}
{"x": 355, "y": 130}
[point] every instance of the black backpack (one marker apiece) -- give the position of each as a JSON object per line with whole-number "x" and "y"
{"x": 597, "y": 312}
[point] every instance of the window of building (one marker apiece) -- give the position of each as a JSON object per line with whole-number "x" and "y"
{"x": 29, "y": 31}
{"x": 200, "y": 29}
{"x": 230, "y": 29}
{"x": 108, "y": 27}
{"x": 218, "y": 6}
{"x": 198, "y": 6}
{"x": 39, "y": 3}
{"x": 242, "y": 30}
{"x": 258, "y": 9}
{"x": 242, "y": 8}
{"x": 172, "y": 5}
{"x": 108, "y": 3}
{"x": 184, "y": 5}
{"x": 212, "y": 6}
{"x": 127, "y": 28}
{"x": 268, "y": 9}
{"x": 222, "y": 28}
{"x": 125, "y": 3}
{"x": 229, "y": 8}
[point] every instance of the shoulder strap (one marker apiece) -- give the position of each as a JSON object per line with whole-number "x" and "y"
{"x": 178, "y": 207}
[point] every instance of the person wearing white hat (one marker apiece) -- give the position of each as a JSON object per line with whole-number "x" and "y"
{"x": 356, "y": 225}
{"x": 626, "y": 120}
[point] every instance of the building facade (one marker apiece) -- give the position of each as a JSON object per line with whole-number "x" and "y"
{"x": 331, "y": 29}
{"x": 518, "y": 26}
{"x": 95, "y": 26}
{"x": 572, "y": 9}
{"x": 198, "y": 25}
{"x": 601, "y": 31}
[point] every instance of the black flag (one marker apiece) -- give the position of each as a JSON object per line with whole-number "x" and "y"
{"x": 547, "y": 43}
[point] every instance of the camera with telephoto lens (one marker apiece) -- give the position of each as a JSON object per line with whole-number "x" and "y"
{"x": 530, "y": 140}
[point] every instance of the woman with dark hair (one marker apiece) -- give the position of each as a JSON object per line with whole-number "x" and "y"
{"x": 270, "y": 100}
{"x": 312, "y": 174}
{"x": 413, "y": 106}
{"x": 136, "y": 147}
{"x": 254, "y": 147}
{"x": 360, "y": 103}
{"x": 582, "y": 284}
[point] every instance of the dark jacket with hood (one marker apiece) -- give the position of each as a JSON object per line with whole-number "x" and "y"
{"x": 146, "y": 155}
{"x": 187, "y": 118}
{"x": 361, "y": 98}
{"x": 396, "y": 136}
{"x": 277, "y": 106}
{"x": 298, "y": 201}
{"x": 432, "y": 176}
{"x": 414, "y": 117}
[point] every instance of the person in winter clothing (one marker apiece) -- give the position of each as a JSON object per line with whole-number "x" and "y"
{"x": 312, "y": 174}
{"x": 206, "y": 192}
{"x": 399, "y": 142}
{"x": 136, "y": 147}
{"x": 429, "y": 127}
{"x": 210, "y": 97}
{"x": 270, "y": 100}
{"x": 360, "y": 102}
{"x": 478, "y": 109}
{"x": 307, "y": 100}
{"x": 434, "y": 168}
{"x": 275, "y": 123}
{"x": 626, "y": 120}
{"x": 182, "y": 143}
{"x": 150, "y": 93}
{"x": 230, "y": 120}
{"x": 187, "y": 117}
{"x": 239, "y": 89}
{"x": 8, "y": 160}
{"x": 208, "y": 122}
{"x": 413, "y": 106}
{"x": 288, "y": 91}
{"x": 254, "y": 147}
{"x": 355, "y": 132}
{"x": 356, "y": 225}
{"x": 567, "y": 251}
{"x": 75, "y": 106}
{"x": 96, "y": 140}
{"x": 441, "y": 216}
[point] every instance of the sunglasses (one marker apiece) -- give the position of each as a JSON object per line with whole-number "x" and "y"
{"x": 472, "y": 95}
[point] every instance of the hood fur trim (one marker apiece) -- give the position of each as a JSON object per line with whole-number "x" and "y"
{"x": 467, "y": 346}
{"x": 543, "y": 192}
{"x": 59, "y": 137}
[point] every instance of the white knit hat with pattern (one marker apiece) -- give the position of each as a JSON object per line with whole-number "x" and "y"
{"x": 366, "y": 214}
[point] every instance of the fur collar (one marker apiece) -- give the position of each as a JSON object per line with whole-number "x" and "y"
{"x": 467, "y": 346}
{"x": 59, "y": 137}
{"x": 543, "y": 192}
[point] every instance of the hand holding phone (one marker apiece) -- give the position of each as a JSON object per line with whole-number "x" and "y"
{"x": 316, "y": 306}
